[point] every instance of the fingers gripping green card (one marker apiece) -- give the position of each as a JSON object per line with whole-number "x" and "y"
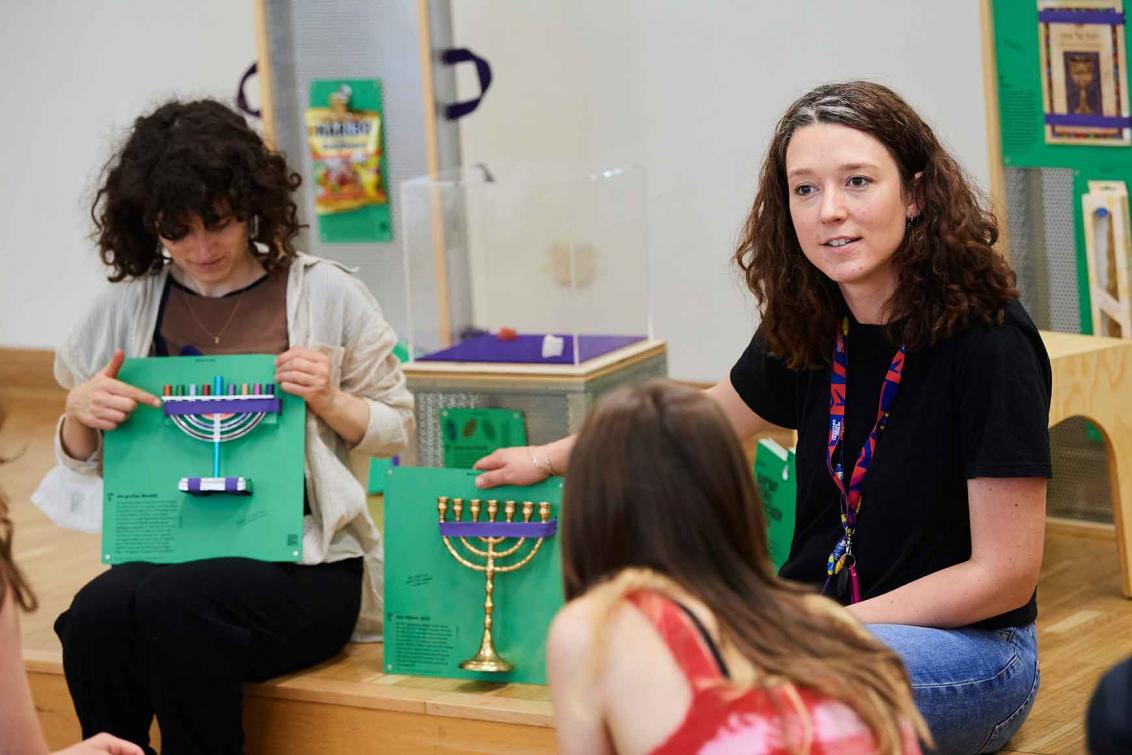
{"x": 435, "y": 591}
{"x": 218, "y": 471}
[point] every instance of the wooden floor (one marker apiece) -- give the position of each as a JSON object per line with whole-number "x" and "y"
{"x": 1085, "y": 626}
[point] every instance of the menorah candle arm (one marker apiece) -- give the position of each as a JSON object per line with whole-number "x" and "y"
{"x": 520, "y": 564}
{"x": 460, "y": 559}
{"x": 200, "y": 428}
{"x": 511, "y": 550}
{"x": 472, "y": 549}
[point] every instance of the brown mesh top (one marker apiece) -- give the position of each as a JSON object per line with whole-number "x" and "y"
{"x": 250, "y": 320}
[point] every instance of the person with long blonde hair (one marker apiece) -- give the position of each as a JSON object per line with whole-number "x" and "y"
{"x": 678, "y": 636}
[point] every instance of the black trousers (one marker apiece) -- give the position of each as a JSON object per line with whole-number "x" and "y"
{"x": 178, "y": 641}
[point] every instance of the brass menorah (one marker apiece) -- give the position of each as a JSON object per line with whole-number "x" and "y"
{"x": 492, "y": 533}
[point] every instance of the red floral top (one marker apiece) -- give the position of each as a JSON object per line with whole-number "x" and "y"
{"x": 761, "y": 720}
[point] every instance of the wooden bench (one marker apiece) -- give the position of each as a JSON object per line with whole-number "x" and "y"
{"x": 348, "y": 705}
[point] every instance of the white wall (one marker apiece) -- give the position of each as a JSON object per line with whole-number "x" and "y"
{"x": 75, "y": 75}
{"x": 692, "y": 90}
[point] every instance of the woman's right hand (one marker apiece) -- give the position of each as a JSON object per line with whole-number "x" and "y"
{"x": 104, "y": 402}
{"x": 102, "y": 744}
{"x": 511, "y": 466}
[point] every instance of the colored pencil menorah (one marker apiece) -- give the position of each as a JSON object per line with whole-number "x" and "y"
{"x": 492, "y": 534}
{"x": 217, "y": 414}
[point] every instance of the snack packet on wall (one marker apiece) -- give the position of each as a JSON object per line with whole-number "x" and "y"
{"x": 345, "y": 148}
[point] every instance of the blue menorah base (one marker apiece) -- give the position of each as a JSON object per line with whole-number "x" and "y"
{"x": 210, "y": 485}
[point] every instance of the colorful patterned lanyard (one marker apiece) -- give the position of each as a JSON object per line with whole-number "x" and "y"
{"x": 842, "y": 561}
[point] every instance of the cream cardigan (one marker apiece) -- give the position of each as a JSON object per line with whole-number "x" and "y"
{"x": 328, "y": 310}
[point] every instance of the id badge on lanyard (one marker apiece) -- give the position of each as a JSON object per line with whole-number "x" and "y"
{"x": 841, "y": 567}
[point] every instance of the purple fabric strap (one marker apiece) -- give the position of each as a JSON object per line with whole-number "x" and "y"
{"x": 224, "y": 406}
{"x": 1110, "y": 17}
{"x": 230, "y": 485}
{"x": 194, "y": 484}
{"x": 1092, "y": 121}
{"x": 499, "y": 529}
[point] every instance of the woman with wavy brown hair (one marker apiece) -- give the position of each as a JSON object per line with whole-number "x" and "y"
{"x": 196, "y": 220}
{"x": 675, "y": 608}
{"x": 893, "y": 341}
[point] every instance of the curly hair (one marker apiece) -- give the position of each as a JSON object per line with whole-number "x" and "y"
{"x": 949, "y": 276}
{"x": 184, "y": 159}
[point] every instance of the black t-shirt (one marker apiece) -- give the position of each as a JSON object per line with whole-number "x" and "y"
{"x": 975, "y": 405}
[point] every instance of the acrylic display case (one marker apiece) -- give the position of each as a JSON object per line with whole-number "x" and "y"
{"x": 527, "y": 289}
{"x": 498, "y": 258}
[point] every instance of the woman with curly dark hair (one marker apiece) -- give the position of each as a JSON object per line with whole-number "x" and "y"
{"x": 196, "y": 220}
{"x": 892, "y": 339}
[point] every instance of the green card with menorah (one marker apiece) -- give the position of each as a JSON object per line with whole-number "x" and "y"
{"x": 472, "y": 577}
{"x": 216, "y": 472}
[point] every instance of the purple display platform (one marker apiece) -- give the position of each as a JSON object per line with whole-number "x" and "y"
{"x": 527, "y": 349}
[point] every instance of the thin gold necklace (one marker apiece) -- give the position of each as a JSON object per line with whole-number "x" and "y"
{"x": 220, "y": 334}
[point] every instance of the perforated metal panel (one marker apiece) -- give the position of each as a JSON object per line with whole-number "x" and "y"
{"x": 551, "y": 408}
{"x": 1040, "y": 206}
{"x": 1079, "y": 488}
{"x": 343, "y": 39}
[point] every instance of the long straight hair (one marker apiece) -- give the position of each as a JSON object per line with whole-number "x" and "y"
{"x": 10, "y": 575}
{"x": 658, "y": 481}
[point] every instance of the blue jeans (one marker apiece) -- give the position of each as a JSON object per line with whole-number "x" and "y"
{"x": 974, "y": 687}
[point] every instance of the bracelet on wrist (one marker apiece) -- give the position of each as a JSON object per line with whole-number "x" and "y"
{"x": 543, "y": 466}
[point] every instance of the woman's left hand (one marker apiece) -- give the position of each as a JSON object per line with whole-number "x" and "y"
{"x": 306, "y": 373}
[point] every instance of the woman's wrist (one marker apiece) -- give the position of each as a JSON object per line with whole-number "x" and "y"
{"x": 325, "y": 405}
{"x": 346, "y": 414}
{"x": 540, "y": 459}
{"x": 558, "y": 453}
{"x": 79, "y": 441}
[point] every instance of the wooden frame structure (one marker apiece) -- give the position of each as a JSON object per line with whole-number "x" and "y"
{"x": 1092, "y": 376}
